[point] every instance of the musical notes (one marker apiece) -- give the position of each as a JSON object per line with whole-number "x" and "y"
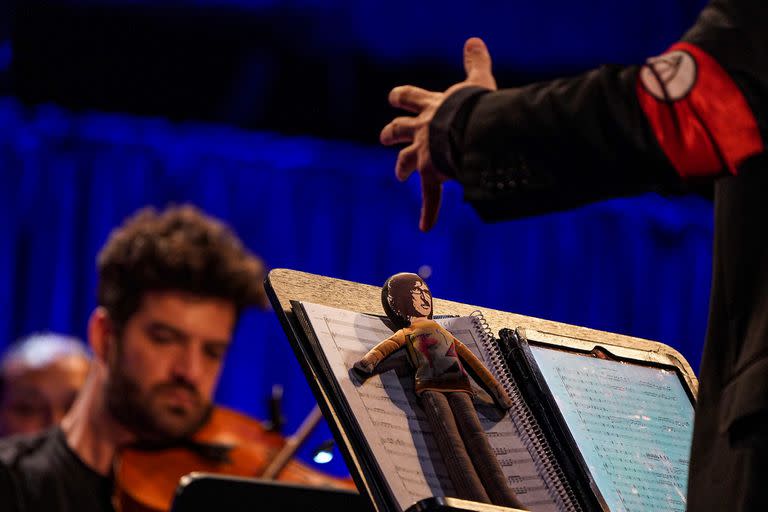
{"x": 632, "y": 423}
{"x": 386, "y": 404}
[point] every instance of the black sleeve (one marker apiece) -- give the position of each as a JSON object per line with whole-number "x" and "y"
{"x": 559, "y": 144}
{"x": 9, "y": 495}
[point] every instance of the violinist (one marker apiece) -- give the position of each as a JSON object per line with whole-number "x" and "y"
{"x": 40, "y": 376}
{"x": 171, "y": 286}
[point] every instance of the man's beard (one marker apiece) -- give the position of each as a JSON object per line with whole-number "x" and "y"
{"x": 144, "y": 415}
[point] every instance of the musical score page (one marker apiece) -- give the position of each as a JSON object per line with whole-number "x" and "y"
{"x": 633, "y": 425}
{"x": 388, "y": 412}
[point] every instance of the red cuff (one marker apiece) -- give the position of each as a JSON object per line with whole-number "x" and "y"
{"x": 697, "y": 112}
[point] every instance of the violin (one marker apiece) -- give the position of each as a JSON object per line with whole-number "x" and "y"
{"x": 229, "y": 443}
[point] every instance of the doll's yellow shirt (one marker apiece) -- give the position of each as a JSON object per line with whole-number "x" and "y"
{"x": 439, "y": 360}
{"x": 434, "y": 356}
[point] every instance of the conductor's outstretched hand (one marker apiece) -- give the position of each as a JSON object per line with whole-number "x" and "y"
{"x": 414, "y": 130}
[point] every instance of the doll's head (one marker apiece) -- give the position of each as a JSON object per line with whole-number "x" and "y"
{"x": 406, "y": 296}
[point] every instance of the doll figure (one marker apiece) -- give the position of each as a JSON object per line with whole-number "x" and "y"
{"x": 441, "y": 364}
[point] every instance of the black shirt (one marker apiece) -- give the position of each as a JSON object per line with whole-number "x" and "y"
{"x": 41, "y": 473}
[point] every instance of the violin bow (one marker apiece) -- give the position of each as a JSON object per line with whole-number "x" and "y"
{"x": 292, "y": 444}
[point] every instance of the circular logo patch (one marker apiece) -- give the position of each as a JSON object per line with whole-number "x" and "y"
{"x": 669, "y": 77}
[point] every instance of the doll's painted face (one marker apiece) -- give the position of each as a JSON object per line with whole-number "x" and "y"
{"x": 406, "y": 296}
{"x": 422, "y": 299}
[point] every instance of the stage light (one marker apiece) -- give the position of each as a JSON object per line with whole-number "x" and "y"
{"x": 323, "y": 454}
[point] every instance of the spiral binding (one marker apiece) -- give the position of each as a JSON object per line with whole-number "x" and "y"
{"x": 531, "y": 434}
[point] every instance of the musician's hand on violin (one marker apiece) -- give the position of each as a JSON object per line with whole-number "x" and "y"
{"x": 414, "y": 130}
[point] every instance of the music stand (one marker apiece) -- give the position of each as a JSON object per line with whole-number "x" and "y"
{"x": 206, "y": 492}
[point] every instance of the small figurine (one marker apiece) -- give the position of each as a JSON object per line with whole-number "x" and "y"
{"x": 443, "y": 387}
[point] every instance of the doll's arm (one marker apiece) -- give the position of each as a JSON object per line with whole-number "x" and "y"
{"x": 483, "y": 376}
{"x": 380, "y": 352}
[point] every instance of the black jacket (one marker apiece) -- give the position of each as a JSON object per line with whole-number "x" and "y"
{"x": 623, "y": 130}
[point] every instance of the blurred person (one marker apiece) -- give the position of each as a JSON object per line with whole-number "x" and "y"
{"x": 171, "y": 286}
{"x": 40, "y": 377}
{"x": 695, "y": 115}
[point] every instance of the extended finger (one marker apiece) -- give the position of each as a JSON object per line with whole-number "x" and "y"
{"x": 477, "y": 63}
{"x": 401, "y": 129}
{"x": 431, "y": 196}
{"x": 410, "y": 98}
{"x": 407, "y": 160}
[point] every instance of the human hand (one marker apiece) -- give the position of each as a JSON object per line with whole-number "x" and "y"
{"x": 414, "y": 130}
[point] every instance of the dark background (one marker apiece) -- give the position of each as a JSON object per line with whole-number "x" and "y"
{"x": 267, "y": 113}
{"x": 308, "y": 66}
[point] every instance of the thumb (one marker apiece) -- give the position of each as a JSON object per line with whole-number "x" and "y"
{"x": 477, "y": 63}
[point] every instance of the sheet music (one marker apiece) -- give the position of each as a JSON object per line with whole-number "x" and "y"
{"x": 632, "y": 423}
{"x": 386, "y": 404}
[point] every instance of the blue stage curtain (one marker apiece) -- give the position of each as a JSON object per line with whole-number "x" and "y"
{"x": 638, "y": 266}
